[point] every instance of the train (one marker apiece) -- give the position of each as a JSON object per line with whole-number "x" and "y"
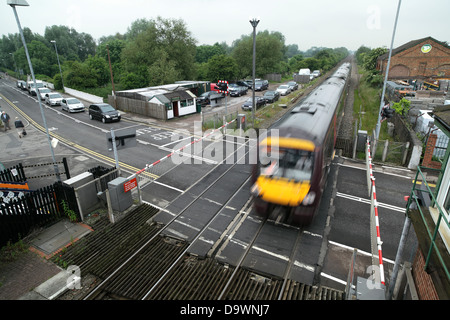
{"x": 294, "y": 157}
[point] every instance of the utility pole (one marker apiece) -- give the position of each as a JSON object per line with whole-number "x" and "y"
{"x": 377, "y": 128}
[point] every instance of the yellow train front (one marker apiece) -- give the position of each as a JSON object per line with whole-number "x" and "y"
{"x": 295, "y": 156}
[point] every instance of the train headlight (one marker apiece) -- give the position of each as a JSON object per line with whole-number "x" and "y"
{"x": 309, "y": 198}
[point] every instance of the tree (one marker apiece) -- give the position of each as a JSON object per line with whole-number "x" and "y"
{"x": 402, "y": 107}
{"x": 270, "y": 50}
{"x": 160, "y": 35}
{"x": 370, "y": 58}
{"x": 222, "y": 67}
{"x": 99, "y": 69}
{"x": 163, "y": 70}
{"x": 206, "y": 52}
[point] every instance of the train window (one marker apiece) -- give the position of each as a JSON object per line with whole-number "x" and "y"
{"x": 291, "y": 164}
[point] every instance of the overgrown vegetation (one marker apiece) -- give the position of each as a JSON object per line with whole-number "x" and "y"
{"x": 368, "y": 94}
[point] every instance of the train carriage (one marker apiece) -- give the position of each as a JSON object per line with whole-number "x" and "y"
{"x": 294, "y": 159}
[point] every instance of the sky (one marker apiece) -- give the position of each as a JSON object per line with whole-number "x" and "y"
{"x": 307, "y": 23}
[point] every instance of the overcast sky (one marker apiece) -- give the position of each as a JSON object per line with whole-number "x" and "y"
{"x": 307, "y": 23}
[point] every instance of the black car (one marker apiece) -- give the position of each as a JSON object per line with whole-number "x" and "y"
{"x": 206, "y": 97}
{"x": 103, "y": 112}
{"x": 259, "y": 101}
{"x": 261, "y": 85}
{"x": 237, "y": 90}
{"x": 271, "y": 96}
{"x": 247, "y": 83}
{"x": 293, "y": 85}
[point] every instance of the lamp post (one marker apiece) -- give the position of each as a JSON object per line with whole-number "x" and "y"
{"x": 254, "y": 22}
{"x": 57, "y": 57}
{"x": 24, "y": 3}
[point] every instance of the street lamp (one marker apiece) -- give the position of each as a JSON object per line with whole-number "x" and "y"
{"x": 57, "y": 56}
{"x": 254, "y": 22}
{"x": 24, "y": 3}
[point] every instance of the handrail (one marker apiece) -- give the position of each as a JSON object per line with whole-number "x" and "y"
{"x": 431, "y": 235}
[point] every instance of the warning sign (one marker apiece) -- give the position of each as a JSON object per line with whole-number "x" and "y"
{"x": 129, "y": 185}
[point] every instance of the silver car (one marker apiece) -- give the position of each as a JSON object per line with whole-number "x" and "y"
{"x": 72, "y": 105}
{"x": 53, "y": 99}
{"x": 43, "y": 92}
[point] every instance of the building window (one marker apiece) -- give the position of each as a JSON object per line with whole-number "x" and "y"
{"x": 187, "y": 103}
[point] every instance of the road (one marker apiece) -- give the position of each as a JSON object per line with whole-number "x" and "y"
{"x": 324, "y": 251}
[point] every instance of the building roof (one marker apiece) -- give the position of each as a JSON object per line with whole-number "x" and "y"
{"x": 178, "y": 89}
{"x": 410, "y": 44}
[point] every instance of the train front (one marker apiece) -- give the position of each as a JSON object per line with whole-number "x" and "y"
{"x": 285, "y": 178}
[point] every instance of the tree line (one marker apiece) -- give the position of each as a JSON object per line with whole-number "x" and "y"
{"x": 154, "y": 52}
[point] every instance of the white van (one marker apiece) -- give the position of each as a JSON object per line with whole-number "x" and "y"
{"x": 31, "y": 89}
{"x": 304, "y": 72}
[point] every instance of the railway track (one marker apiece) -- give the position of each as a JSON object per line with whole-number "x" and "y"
{"x": 142, "y": 258}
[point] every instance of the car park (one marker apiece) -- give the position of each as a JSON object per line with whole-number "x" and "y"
{"x": 284, "y": 89}
{"x": 103, "y": 112}
{"x": 271, "y": 96}
{"x": 43, "y": 92}
{"x": 72, "y": 105}
{"x": 53, "y": 99}
{"x": 293, "y": 85}
{"x": 259, "y": 101}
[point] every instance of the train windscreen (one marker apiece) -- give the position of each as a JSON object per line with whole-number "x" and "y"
{"x": 292, "y": 164}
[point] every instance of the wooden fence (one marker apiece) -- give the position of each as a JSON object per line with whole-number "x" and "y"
{"x": 127, "y": 104}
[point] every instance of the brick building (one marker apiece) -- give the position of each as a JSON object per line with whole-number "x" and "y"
{"x": 422, "y": 59}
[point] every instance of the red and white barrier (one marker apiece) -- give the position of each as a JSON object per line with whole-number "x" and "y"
{"x": 148, "y": 166}
{"x": 375, "y": 223}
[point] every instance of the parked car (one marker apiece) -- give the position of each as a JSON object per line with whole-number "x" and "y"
{"x": 271, "y": 96}
{"x": 259, "y": 101}
{"x": 237, "y": 90}
{"x": 261, "y": 85}
{"x": 22, "y": 84}
{"x": 31, "y": 88}
{"x": 284, "y": 89}
{"x": 43, "y": 92}
{"x": 206, "y": 97}
{"x": 316, "y": 73}
{"x": 103, "y": 112}
{"x": 245, "y": 83}
{"x": 72, "y": 105}
{"x": 53, "y": 99}
{"x": 293, "y": 85}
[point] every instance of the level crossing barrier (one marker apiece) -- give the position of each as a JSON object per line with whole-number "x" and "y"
{"x": 150, "y": 173}
{"x": 375, "y": 237}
